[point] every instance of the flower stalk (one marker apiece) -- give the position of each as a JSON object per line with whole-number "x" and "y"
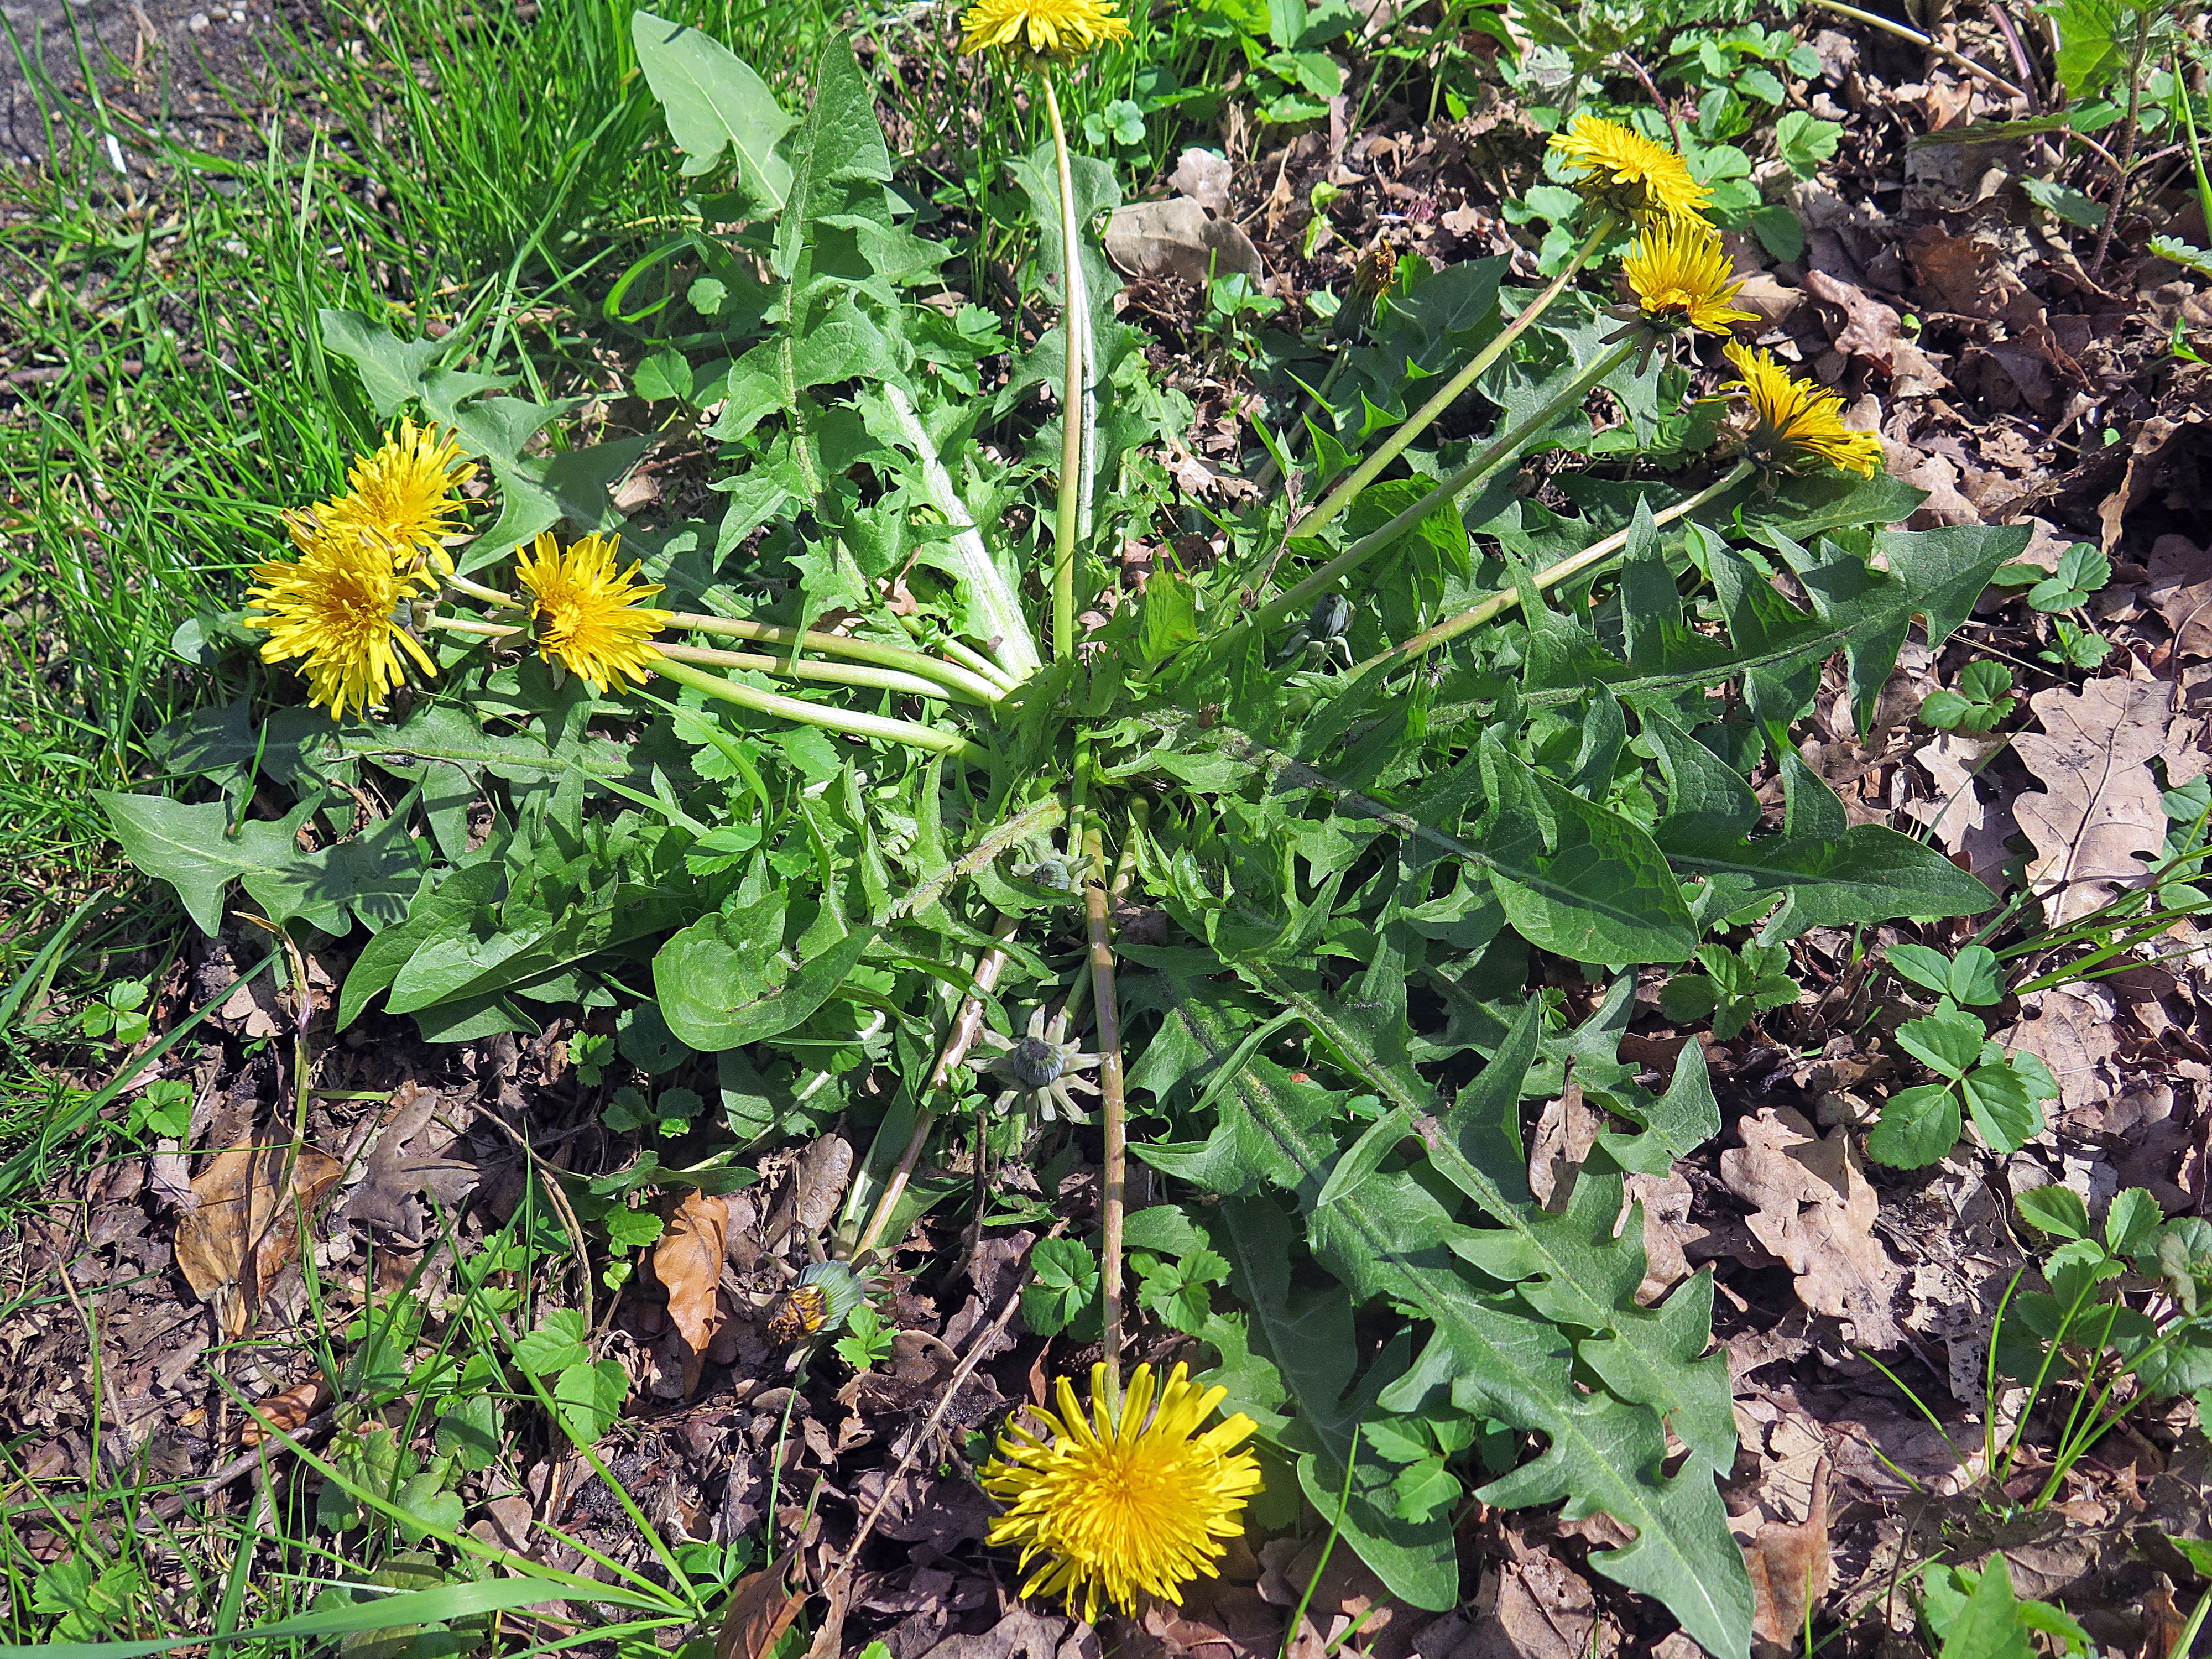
{"x": 964, "y": 685}
{"x": 851, "y": 722}
{"x": 1497, "y": 603}
{"x": 1114, "y": 1113}
{"x": 1348, "y": 489}
{"x": 1491, "y": 457}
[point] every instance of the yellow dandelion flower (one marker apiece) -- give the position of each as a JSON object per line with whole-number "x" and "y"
{"x": 1065, "y": 29}
{"x": 1682, "y": 276}
{"x": 1794, "y": 418}
{"x": 407, "y": 492}
{"x": 586, "y": 613}
{"x": 1624, "y": 169}
{"x": 337, "y": 605}
{"x": 1123, "y": 1506}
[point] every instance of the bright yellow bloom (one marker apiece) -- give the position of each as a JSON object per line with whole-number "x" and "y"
{"x": 586, "y": 613}
{"x": 1681, "y": 275}
{"x": 337, "y": 607}
{"x": 1122, "y": 1506}
{"x": 407, "y": 493}
{"x": 1624, "y": 169}
{"x": 1794, "y": 418}
{"x": 1064, "y": 29}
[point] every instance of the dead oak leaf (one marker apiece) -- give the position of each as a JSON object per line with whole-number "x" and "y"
{"x": 2100, "y": 820}
{"x": 410, "y": 1157}
{"x": 239, "y": 1211}
{"x": 1814, "y": 1209}
{"x": 688, "y": 1262}
{"x": 1791, "y": 1571}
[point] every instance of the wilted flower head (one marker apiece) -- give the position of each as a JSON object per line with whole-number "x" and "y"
{"x": 406, "y": 492}
{"x": 1793, "y": 418}
{"x": 1123, "y": 1505}
{"x": 1624, "y": 170}
{"x": 336, "y": 608}
{"x": 1042, "y": 1066}
{"x": 1061, "y": 29}
{"x": 587, "y": 617}
{"x": 1682, "y": 277}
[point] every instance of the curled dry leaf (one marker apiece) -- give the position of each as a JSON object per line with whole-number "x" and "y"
{"x": 2100, "y": 826}
{"x": 688, "y": 1262}
{"x": 1175, "y": 238}
{"x": 288, "y": 1411}
{"x": 1814, "y": 1208}
{"x": 238, "y": 1209}
{"x": 1790, "y": 1571}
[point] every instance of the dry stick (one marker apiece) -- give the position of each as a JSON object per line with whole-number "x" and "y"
{"x": 1341, "y": 497}
{"x": 960, "y": 1374}
{"x": 965, "y": 1024}
{"x": 2003, "y": 19}
{"x": 1875, "y": 20}
{"x": 1498, "y": 603}
{"x": 1115, "y": 1174}
{"x": 1674, "y": 122}
{"x": 2127, "y": 148}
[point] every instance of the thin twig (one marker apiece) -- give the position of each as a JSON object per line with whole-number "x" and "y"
{"x": 961, "y": 1373}
{"x": 2003, "y": 19}
{"x": 1114, "y": 1177}
{"x": 2127, "y": 146}
{"x": 965, "y": 1024}
{"x": 1890, "y": 26}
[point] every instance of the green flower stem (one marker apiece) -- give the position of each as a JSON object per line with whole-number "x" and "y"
{"x": 1494, "y": 456}
{"x": 830, "y": 673}
{"x": 1074, "y": 321}
{"x": 1342, "y": 497}
{"x": 968, "y": 658}
{"x": 847, "y": 720}
{"x": 827, "y": 673}
{"x": 963, "y": 684}
{"x": 1497, "y": 603}
{"x": 461, "y": 584}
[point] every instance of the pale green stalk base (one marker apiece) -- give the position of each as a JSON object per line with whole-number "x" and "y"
{"x": 1075, "y": 323}
{"x": 1343, "y": 496}
{"x": 963, "y": 684}
{"x": 827, "y": 673}
{"x": 1495, "y": 456}
{"x": 1497, "y": 603}
{"x": 848, "y": 721}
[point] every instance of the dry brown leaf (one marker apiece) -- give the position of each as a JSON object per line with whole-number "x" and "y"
{"x": 1790, "y": 1571}
{"x": 1205, "y": 178}
{"x": 238, "y": 1209}
{"x": 761, "y": 1609}
{"x": 1175, "y": 238}
{"x": 688, "y": 1262}
{"x": 2101, "y": 819}
{"x": 2071, "y": 1030}
{"x": 410, "y": 1157}
{"x": 288, "y": 1411}
{"x": 1873, "y": 332}
{"x": 1938, "y": 475}
{"x": 1814, "y": 1209}
{"x": 1959, "y": 820}
{"x": 2181, "y": 588}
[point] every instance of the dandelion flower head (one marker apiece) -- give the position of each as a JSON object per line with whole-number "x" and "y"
{"x": 587, "y": 614}
{"x": 1793, "y": 418}
{"x": 1621, "y": 168}
{"x": 1061, "y": 29}
{"x": 336, "y": 608}
{"x": 1681, "y": 276}
{"x": 406, "y": 491}
{"x": 1113, "y": 1506}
